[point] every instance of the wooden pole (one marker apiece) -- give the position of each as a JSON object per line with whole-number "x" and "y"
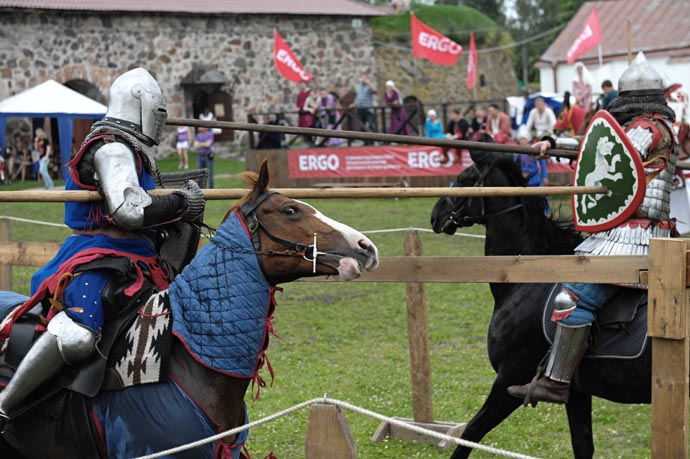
{"x": 5, "y": 269}
{"x": 418, "y": 337}
{"x": 357, "y": 135}
{"x": 318, "y": 193}
{"x": 668, "y": 327}
{"x": 328, "y": 435}
{"x": 628, "y": 27}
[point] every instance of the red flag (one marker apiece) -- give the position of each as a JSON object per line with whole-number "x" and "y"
{"x": 590, "y": 36}
{"x": 472, "y": 64}
{"x": 286, "y": 62}
{"x": 429, "y": 44}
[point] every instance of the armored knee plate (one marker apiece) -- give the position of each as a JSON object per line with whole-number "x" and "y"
{"x": 564, "y": 303}
{"x": 75, "y": 341}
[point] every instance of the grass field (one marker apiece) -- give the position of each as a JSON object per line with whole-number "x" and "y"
{"x": 349, "y": 340}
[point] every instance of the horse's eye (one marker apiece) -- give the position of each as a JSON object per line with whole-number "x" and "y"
{"x": 290, "y": 211}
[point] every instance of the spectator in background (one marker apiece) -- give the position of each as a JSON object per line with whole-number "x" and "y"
{"x": 398, "y": 115}
{"x": 332, "y": 112}
{"x": 478, "y": 123}
{"x": 456, "y": 128}
{"x": 207, "y": 115}
{"x": 433, "y": 127}
{"x": 541, "y": 118}
{"x": 306, "y": 118}
{"x": 609, "y": 93}
{"x": 184, "y": 136}
{"x": 45, "y": 151}
{"x": 571, "y": 118}
{"x": 498, "y": 125}
{"x": 203, "y": 144}
{"x": 21, "y": 160}
{"x": 313, "y": 105}
{"x": 270, "y": 140}
{"x": 364, "y": 102}
{"x": 582, "y": 86}
{"x": 533, "y": 169}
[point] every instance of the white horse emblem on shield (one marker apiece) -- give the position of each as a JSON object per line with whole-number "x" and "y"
{"x": 603, "y": 169}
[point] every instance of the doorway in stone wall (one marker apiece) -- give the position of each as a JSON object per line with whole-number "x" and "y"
{"x": 205, "y": 87}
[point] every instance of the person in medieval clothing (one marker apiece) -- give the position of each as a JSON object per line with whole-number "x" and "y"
{"x": 78, "y": 294}
{"x": 645, "y": 117}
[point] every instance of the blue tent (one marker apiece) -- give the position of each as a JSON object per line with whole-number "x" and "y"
{"x": 51, "y": 100}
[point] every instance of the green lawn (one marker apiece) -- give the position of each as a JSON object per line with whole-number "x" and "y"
{"x": 350, "y": 340}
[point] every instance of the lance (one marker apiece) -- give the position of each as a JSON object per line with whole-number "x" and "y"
{"x": 317, "y": 193}
{"x": 373, "y": 136}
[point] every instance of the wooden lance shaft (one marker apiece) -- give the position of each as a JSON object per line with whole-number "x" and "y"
{"x": 404, "y": 139}
{"x": 319, "y": 193}
{"x": 374, "y": 136}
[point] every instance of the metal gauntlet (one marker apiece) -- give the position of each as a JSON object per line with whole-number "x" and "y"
{"x": 194, "y": 200}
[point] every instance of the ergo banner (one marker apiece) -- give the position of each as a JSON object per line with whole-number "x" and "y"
{"x": 432, "y": 45}
{"x": 384, "y": 161}
{"x": 286, "y": 62}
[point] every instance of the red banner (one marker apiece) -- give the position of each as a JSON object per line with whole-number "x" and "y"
{"x": 429, "y": 44}
{"x": 472, "y": 64}
{"x": 285, "y": 61}
{"x": 384, "y": 161}
{"x": 589, "y": 37}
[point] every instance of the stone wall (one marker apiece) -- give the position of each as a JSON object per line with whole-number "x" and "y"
{"x": 435, "y": 83}
{"x": 67, "y": 46}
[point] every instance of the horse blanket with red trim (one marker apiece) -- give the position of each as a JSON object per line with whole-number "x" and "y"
{"x": 222, "y": 304}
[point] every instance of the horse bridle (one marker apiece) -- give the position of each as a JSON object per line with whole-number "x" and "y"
{"x": 255, "y": 225}
{"x": 469, "y": 220}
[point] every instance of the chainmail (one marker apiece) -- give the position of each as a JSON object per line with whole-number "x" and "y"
{"x": 630, "y": 104}
{"x": 107, "y": 128}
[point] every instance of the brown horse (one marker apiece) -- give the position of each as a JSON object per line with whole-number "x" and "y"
{"x": 286, "y": 240}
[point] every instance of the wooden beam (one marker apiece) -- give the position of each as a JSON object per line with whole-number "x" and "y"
{"x": 668, "y": 327}
{"x": 517, "y": 269}
{"x": 318, "y": 193}
{"x": 5, "y": 268}
{"x": 328, "y": 435}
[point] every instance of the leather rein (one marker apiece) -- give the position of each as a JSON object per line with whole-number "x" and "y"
{"x": 468, "y": 220}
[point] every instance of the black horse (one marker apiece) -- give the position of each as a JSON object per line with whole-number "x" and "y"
{"x": 516, "y": 343}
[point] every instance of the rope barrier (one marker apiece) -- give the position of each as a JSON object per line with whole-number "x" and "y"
{"x": 326, "y": 400}
{"x": 35, "y": 222}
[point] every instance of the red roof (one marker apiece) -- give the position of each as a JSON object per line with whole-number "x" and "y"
{"x": 292, "y": 7}
{"x": 658, "y": 27}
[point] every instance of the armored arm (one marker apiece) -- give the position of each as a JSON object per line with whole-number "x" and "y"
{"x": 128, "y": 203}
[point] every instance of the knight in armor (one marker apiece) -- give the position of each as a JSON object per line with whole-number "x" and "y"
{"x": 116, "y": 158}
{"x": 646, "y": 118}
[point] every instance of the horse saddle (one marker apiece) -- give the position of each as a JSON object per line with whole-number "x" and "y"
{"x": 619, "y": 330}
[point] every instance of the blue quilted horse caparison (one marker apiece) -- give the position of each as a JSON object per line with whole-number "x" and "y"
{"x": 222, "y": 304}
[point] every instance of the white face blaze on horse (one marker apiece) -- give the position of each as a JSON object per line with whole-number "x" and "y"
{"x": 348, "y": 267}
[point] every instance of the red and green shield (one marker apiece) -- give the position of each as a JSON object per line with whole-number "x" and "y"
{"x": 607, "y": 158}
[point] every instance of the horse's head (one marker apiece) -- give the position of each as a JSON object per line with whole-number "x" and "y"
{"x": 488, "y": 169}
{"x": 295, "y": 240}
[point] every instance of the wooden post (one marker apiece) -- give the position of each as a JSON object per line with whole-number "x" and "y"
{"x": 5, "y": 269}
{"x": 328, "y": 434}
{"x": 418, "y": 337}
{"x": 668, "y": 327}
{"x": 420, "y": 364}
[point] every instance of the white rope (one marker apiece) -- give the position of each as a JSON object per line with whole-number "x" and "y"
{"x": 35, "y": 222}
{"x": 424, "y": 230}
{"x": 331, "y": 401}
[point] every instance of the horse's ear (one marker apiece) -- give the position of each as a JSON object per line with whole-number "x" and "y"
{"x": 479, "y": 156}
{"x": 264, "y": 177}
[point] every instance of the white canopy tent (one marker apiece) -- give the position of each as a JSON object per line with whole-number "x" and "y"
{"x": 51, "y": 100}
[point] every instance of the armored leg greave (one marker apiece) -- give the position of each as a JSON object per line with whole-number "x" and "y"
{"x": 568, "y": 348}
{"x": 63, "y": 344}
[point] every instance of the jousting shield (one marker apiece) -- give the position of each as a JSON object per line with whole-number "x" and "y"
{"x": 607, "y": 158}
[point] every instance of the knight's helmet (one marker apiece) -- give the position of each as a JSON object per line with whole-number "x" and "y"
{"x": 640, "y": 76}
{"x": 137, "y": 105}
